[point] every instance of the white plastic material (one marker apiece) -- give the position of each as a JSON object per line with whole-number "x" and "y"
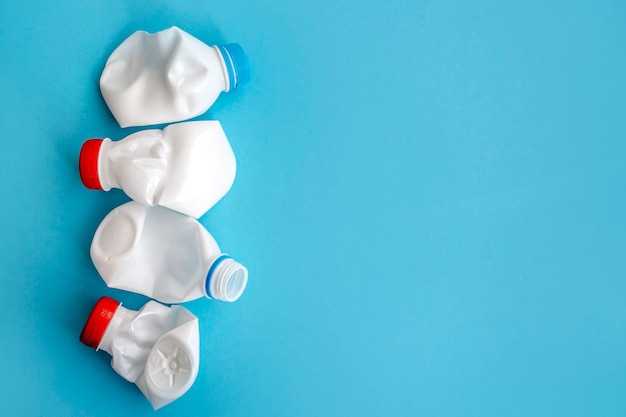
{"x": 187, "y": 167}
{"x": 164, "y": 255}
{"x": 163, "y": 77}
{"x": 157, "y": 348}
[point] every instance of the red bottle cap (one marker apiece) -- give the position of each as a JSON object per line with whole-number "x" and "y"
{"x": 88, "y": 164}
{"x": 98, "y": 321}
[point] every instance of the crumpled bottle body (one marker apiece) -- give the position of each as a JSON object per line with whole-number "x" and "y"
{"x": 163, "y": 77}
{"x": 187, "y": 167}
{"x": 157, "y": 348}
{"x": 155, "y": 252}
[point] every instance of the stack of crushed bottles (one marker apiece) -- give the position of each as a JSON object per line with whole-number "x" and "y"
{"x": 154, "y": 245}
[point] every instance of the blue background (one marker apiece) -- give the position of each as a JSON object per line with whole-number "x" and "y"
{"x": 430, "y": 200}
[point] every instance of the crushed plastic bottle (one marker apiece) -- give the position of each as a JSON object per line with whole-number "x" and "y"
{"x": 187, "y": 167}
{"x": 164, "y": 255}
{"x": 156, "y": 348}
{"x": 169, "y": 76}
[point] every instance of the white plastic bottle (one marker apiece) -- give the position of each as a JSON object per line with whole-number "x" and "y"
{"x": 164, "y": 255}
{"x": 169, "y": 76}
{"x": 157, "y": 347}
{"x": 187, "y": 167}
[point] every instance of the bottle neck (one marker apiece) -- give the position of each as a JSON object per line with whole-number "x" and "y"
{"x": 105, "y": 168}
{"x": 226, "y": 279}
{"x": 226, "y": 73}
{"x": 121, "y": 317}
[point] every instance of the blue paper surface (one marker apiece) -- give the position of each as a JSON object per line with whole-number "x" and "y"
{"x": 430, "y": 200}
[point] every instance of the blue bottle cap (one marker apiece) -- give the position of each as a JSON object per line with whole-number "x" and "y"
{"x": 237, "y": 64}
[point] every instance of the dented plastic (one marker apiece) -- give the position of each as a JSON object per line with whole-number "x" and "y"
{"x": 156, "y": 348}
{"x": 164, "y": 255}
{"x": 187, "y": 167}
{"x": 168, "y": 76}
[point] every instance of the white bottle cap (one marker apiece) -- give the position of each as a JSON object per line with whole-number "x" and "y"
{"x": 226, "y": 279}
